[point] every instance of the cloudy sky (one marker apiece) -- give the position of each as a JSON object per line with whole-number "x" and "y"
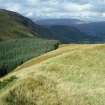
{"x": 93, "y": 10}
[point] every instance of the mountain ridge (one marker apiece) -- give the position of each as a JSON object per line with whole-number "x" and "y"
{"x": 89, "y": 28}
{"x": 17, "y": 24}
{"x": 63, "y": 21}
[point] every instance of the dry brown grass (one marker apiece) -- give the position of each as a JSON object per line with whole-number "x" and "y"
{"x": 33, "y": 91}
{"x": 74, "y": 76}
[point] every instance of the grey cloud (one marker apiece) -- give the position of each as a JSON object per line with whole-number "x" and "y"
{"x": 91, "y": 9}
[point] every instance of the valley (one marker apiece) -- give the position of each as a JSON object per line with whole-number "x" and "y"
{"x": 51, "y": 61}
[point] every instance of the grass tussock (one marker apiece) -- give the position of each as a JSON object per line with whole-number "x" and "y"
{"x": 33, "y": 91}
{"x": 6, "y": 82}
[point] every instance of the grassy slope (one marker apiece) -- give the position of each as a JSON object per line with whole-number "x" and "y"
{"x": 17, "y": 51}
{"x": 16, "y": 43}
{"x": 14, "y": 25}
{"x": 10, "y": 27}
{"x": 70, "y": 75}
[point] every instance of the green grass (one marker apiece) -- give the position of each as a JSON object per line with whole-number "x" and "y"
{"x": 15, "y": 52}
{"x": 6, "y": 82}
{"x": 14, "y": 25}
{"x": 11, "y": 27}
{"x": 74, "y": 75}
{"x": 19, "y": 41}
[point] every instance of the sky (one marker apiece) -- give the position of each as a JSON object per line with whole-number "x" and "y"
{"x": 92, "y": 10}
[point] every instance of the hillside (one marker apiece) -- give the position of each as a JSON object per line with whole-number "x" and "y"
{"x": 89, "y": 28}
{"x": 14, "y": 52}
{"x": 68, "y": 34}
{"x": 70, "y": 75}
{"x": 93, "y": 28}
{"x": 20, "y": 40}
{"x": 74, "y": 30}
{"x": 14, "y": 25}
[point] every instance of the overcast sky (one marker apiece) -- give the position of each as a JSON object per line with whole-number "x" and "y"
{"x": 80, "y": 9}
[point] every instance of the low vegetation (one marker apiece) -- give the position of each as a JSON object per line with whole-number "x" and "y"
{"x": 70, "y": 75}
{"x": 6, "y": 82}
{"x": 37, "y": 91}
{"x": 15, "y": 52}
{"x": 13, "y": 25}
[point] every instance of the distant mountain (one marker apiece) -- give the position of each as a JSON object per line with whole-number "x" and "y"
{"x": 67, "y": 34}
{"x": 66, "y": 22}
{"x": 90, "y": 28}
{"x": 93, "y": 28}
{"x": 63, "y": 30}
{"x": 14, "y": 25}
